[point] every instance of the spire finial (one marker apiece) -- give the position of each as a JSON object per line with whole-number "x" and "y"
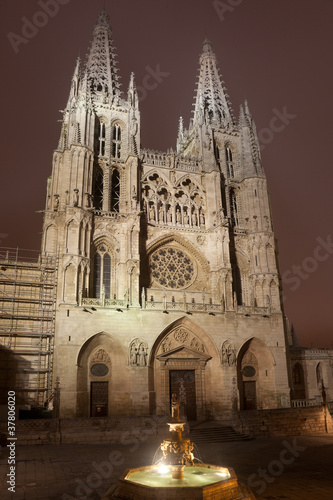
{"x": 211, "y": 99}
{"x": 101, "y": 64}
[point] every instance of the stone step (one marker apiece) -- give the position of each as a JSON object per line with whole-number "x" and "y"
{"x": 220, "y": 434}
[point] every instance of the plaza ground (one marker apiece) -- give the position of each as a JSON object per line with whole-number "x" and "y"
{"x": 276, "y": 468}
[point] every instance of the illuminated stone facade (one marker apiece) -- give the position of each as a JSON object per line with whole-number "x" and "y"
{"x": 167, "y": 274}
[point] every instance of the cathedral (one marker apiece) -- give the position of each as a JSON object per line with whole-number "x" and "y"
{"x": 166, "y": 277}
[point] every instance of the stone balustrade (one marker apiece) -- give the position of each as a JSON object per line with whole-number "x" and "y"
{"x": 302, "y": 403}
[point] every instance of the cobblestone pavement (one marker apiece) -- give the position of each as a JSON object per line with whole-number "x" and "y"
{"x": 279, "y": 468}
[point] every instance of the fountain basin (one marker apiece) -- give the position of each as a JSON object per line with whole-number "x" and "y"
{"x": 200, "y": 482}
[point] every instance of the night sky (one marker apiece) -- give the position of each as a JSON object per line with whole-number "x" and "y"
{"x": 275, "y": 54}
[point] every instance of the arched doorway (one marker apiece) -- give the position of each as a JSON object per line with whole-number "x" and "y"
{"x": 256, "y": 376}
{"x": 183, "y": 360}
{"x": 102, "y": 385}
{"x": 99, "y": 382}
{"x": 249, "y": 371}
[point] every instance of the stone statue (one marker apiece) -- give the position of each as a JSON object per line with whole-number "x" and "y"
{"x": 133, "y": 355}
{"x": 161, "y": 214}
{"x": 175, "y": 408}
{"x": 142, "y": 356}
{"x": 76, "y": 198}
{"x": 178, "y": 216}
{"x": 56, "y": 202}
{"x": 224, "y": 356}
{"x": 152, "y": 213}
{"x": 231, "y": 357}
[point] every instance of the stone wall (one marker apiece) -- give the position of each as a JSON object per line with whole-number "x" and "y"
{"x": 123, "y": 430}
{"x": 285, "y": 421}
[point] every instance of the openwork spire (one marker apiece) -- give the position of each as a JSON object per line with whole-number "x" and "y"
{"x": 211, "y": 100}
{"x": 101, "y": 60}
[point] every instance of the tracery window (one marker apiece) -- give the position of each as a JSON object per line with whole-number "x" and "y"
{"x": 102, "y": 273}
{"x": 116, "y": 141}
{"x": 171, "y": 268}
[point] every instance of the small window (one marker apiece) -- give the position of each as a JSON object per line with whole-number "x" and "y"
{"x": 116, "y": 141}
{"x": 230, "y": 165}
{"x": 101, "y": 139}
{"x": 97, "y": 276}
{"x": 297, "y": 374}
{"x": 233, "y": 208}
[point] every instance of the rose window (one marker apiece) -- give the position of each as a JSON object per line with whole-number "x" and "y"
{"x": 171, "y": 268}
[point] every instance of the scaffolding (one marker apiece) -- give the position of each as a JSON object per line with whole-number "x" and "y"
{"x": 27, "y": 318}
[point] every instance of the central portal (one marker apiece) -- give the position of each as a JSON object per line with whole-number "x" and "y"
{"x": 182, "y": 383}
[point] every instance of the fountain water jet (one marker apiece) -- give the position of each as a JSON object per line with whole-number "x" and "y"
{"x": 176, "y": 477}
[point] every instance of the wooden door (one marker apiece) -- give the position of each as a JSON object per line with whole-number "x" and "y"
{"x": 182, "y": 383}
{"x": 250, "y": 397}
{"x": 99, "y": 399}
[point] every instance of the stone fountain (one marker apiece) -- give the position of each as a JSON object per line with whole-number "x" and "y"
{"x": 176, "y": 476}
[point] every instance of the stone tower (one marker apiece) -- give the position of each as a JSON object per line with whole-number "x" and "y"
{"x": 167, "y": 277}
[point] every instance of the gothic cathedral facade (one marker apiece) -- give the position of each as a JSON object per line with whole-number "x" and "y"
{"x": 167, "y": 263}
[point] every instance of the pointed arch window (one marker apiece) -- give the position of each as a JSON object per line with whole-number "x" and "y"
{"x": 101, "y": 139}
{"x": 238, "y": 283}
{"x": 102, "y": 273}
{"x": 233, "y": 208}
{"x": 319, "y": 374}
{"x": 115, "y": 190}
{"x": 297, "y": 374}
{"x": 229, "y": 160}
{"x": 217, "y": 153}
{"x": 116, "y": 141}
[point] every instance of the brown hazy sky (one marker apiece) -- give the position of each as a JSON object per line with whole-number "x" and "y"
{"x": 275, "y": 54}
